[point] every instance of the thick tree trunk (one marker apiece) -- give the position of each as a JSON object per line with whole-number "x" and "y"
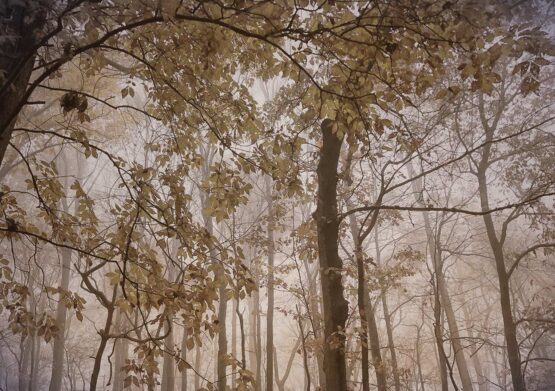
{"x": 335, "y": 306}
{"x": 16, "y": 64}
{"x": 270, "y": 310}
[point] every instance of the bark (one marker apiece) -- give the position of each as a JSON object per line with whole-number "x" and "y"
{"x": 198, "y": 366}
{"x": 242, "y": 331}
{"x": 281, "y": 381}
{"x": 25, "y": 347}
{"x": 104, "y": 336}
{"x": 58, "y": 348}
{"x": 437, "y": 262}
{"x": 16, "y": 64}
{"x": 377, "y": 362}
{"x": 234, "y": 342}
{"x": 221, "y": 378}
{"x": 509, "y": 327}
{"x": 270, "y": 310}
{"x": 391, "y": 343}
{"x": 476, "y": 362}
{"x": 335, "y": 306}
{"x": 388, "y": 326}
{"x": 121, "y": 349}
{"x": 315, "y": 319}
{"x": 184, "y": 358}
{"x": 168, "y": 366}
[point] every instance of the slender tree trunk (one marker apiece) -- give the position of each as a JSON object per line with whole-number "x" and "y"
{"x": 103, "y": 342}
{"x": 438, "y": 336}
{"x": 509, "y": 326}
{"x": 35, "y": 363}
{"x": 25, "y": 347}
{"x": 221, "y": 377}
{"x": 270, "y": 311}
{"x": 168, "y": 366}
{"x": 58, "y": 348}
{"x": 281, "y": 382}
{"x": 316, "y": 320}
{"x": 387, "y": 318}
{"x": 184, "y": 358}
{"x": 435, "y": 251}
{"x": 198, "y": 366}
{"x": 121, "y": 349}
{"x": 496, "y": 245}
{"x": 476, "y": 362}
{"x": 234, "y": 342}
{"x": 335, "y": 306}
{"x": 373, "y": 334}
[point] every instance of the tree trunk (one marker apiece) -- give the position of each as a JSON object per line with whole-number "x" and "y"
{"x": 221, "y": 378}
{"x": 335, "y": 306}
{"x": 509, "y": 326}
{"x": 387, "y": 318}
{"x": 120, "y": 353}
{"x": 234, "y": 342}
{"x": 16, "y": 64}
{"x": 198, "y": 366}
{"x": 434, "y": 249}
{"x": 184, "y": 358}
{"x": 270, "y": 311}
{"x": 58, "y": 349}
{"x": 103, "y": 341}
{"x": 476, "y": 362}
{"x": 168, "y": 366}
{"x": 374, "y": 337}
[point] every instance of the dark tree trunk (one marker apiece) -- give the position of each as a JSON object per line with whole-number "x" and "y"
{"x": 335, "y": 306}
{"x": 16, "y": 65}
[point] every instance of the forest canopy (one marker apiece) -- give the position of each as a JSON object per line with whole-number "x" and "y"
{"x": 277, "y": 195}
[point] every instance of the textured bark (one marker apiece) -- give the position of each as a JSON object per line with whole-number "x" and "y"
{"x": 335, "y": 306}
{"x": 16, "y": 64}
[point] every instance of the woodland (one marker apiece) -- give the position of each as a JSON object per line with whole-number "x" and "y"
{"x": 286, "y": 195}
